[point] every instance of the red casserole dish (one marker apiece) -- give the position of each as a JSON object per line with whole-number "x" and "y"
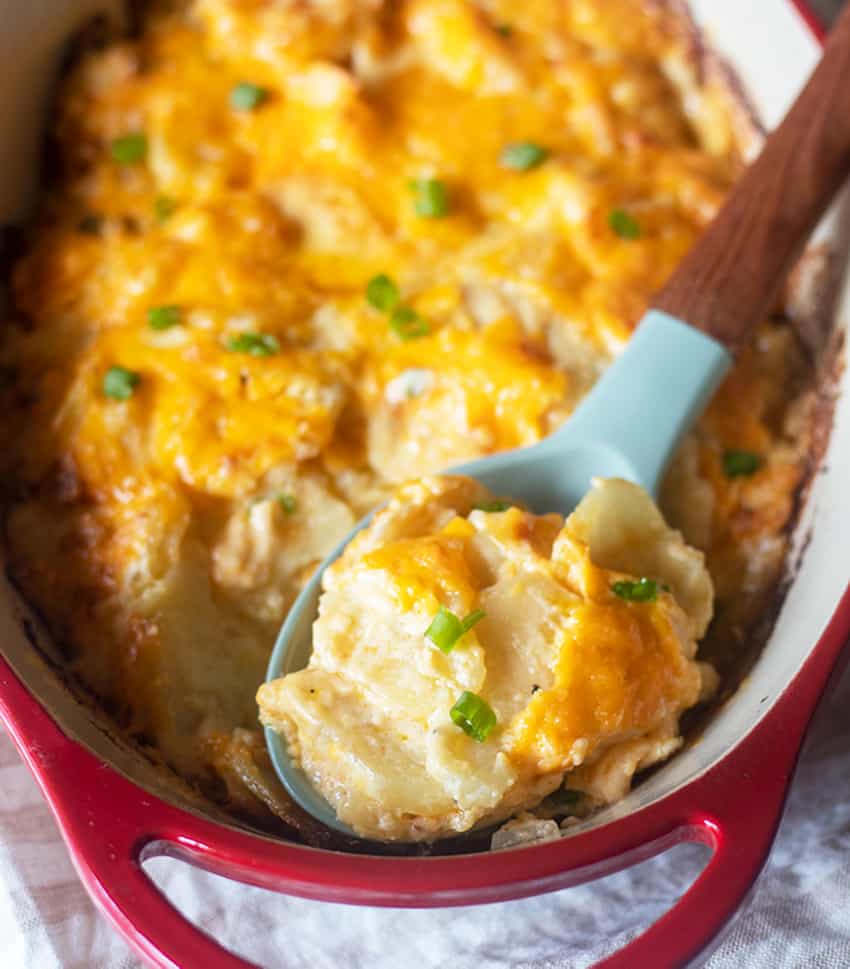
{"x": 115, "y": 811}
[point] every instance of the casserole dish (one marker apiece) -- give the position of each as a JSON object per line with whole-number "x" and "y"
{"x": 681, "y": 801}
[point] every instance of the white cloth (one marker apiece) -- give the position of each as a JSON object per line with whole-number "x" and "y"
{"x": 800, "y": 916}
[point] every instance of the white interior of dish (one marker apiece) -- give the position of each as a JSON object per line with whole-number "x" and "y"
{"x": 772, "y": 52}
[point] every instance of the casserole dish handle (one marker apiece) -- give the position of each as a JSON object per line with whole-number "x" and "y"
{"x": 736, "y": 807}
{"x": 112, "y": 826}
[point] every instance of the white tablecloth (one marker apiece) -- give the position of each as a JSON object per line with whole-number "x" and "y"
{"x": 800, "y": 916}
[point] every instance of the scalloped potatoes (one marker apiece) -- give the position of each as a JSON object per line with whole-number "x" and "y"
{"x": 567, "y": 672}
{"x": 217, "y": 252}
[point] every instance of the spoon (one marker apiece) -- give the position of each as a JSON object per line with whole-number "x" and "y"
{"x": 629, "y": 425}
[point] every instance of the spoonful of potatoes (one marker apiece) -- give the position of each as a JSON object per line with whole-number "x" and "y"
{"x": 630, "y": 424}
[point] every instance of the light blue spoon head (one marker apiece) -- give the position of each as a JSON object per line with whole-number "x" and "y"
{"x": 627, "y": 427}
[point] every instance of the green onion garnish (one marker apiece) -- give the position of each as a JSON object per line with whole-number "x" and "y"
{"x": 129, "y": 149}
{"x": 431, "y": 197}
{"x": 163, "y": 207}
{"x": 255, "y": 344}
{"x": 474, "y": 716}
{"x": 737, "y": 464}
{"x": 119, "y": 383}
{"x": 163, "y": 317}
{"x": 407, "y": 324}
{"x": 493, "y": 506}
{"x": 472, "y": 619}
{"x": 504, "y": 30}
{"x": 246, "y": 97}
{"x": 446, "y": 628}
{"x": 626, "y": 226}
{"x": 382, "y": 293}
{"x": 522, "y": 155}
{"x": 644, "y": 590}
{"x": 289, "y": 503}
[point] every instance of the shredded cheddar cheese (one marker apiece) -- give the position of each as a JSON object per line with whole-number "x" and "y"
{"x": 620, "y": 671}
{"x": 554, "y": 672}
{"x": 249, "y": 166}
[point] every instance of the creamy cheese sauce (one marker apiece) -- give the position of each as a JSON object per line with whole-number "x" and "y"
{"x": 199, "y": 397}
{"x": 565, "y": 666}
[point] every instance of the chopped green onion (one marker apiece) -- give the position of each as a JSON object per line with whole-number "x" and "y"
{"x": 522, "y": 155}
{"x": 474, "y": 716}
{"x": 382, "y": 293}
{"x": 644, "y": 590}
{"x": 504, "y": 30}
{"x": 129, "y": 149}
{"x": 163, "y": 317}
{"x": 246, "y": 97}
{"x": 119, "y": 383}
{"x": 737, "y": 464}
{"x": 626, "y": 226}
{"x": 431, "y": 197}
{"x": 472, "y": 619}
{"x": 446, "y": 629}
{"x": 407, "y": 324}
{"x": 163, "y": 207}
{"x": 493, "y": 506}
{"x": 255, "y": 344}
{"x": 90, "y": 224}
{"x": 289, "y": 503}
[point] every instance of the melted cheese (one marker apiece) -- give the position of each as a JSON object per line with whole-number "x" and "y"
{"x": 148, "y": 531}
{"x": 570, "y": 670}
{"x": 620, "y": 671}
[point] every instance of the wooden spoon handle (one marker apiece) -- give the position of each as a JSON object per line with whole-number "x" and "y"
{"x": 730, "y": 279}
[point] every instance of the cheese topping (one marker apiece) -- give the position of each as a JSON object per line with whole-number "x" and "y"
{"x": 564, "y": 669}
{"x": 190, "y": 335}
